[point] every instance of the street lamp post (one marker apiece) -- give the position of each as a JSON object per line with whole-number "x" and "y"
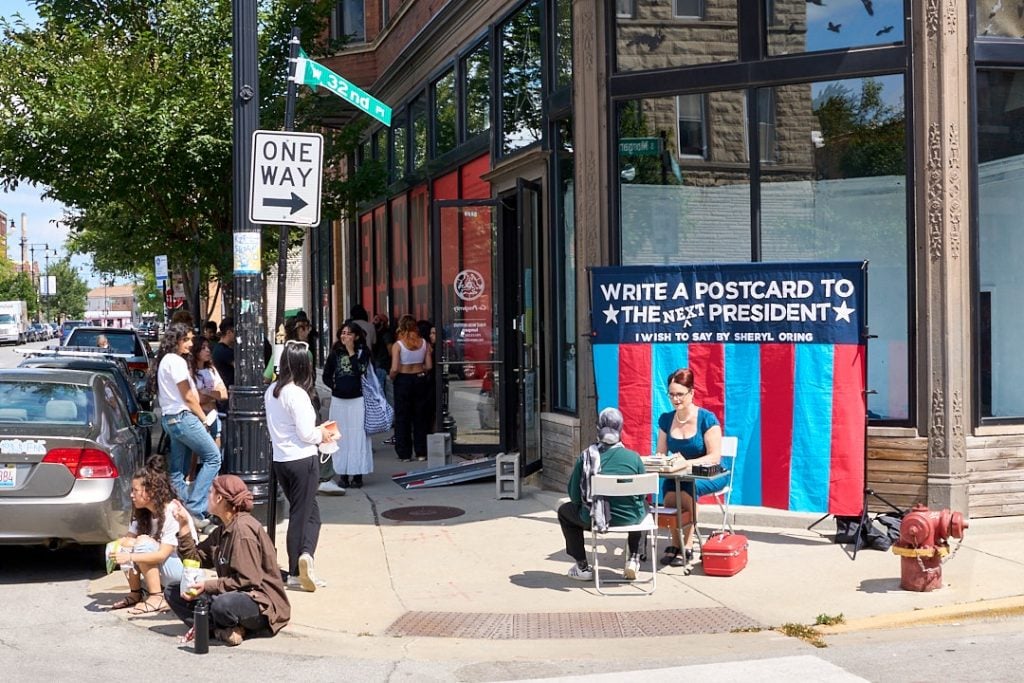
{"x": 32, "y": 271}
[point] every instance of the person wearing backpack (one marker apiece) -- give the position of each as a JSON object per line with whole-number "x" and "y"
{"x": 343, "y": 373}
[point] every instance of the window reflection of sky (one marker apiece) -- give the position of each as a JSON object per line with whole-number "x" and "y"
{"x": 856, "y": 27}
{"x": 892, "y": 88}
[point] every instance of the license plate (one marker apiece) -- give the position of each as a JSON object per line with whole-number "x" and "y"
{"x": 8, "y": 476}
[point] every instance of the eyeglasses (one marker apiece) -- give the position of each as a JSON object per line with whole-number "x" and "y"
{"x": 679, "y": 394}
{"x": 297, "y": 343}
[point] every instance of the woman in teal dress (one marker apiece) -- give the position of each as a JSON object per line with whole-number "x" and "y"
{"x": 695, "y": 433}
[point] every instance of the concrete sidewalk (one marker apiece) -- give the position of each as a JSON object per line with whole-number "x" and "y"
{"x": 492, "y": 581}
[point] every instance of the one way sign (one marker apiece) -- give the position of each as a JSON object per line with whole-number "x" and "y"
{"x": 284, "y": 187}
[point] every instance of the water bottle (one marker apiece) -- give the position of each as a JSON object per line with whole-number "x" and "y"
{"x": 201, "y": 624}
{"x": 191, "y": 575}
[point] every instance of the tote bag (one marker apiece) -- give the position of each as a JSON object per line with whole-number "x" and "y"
{"x": 378, "y": 415}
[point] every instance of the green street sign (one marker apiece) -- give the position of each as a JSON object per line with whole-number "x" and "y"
{"x": 312, "y": 74}
{"x": 639, "y": 147}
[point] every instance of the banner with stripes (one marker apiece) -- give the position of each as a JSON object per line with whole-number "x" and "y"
{"x": 778, "y": 355}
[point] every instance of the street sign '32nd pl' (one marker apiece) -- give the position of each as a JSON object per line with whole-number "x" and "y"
{"x": 284, "y": 187}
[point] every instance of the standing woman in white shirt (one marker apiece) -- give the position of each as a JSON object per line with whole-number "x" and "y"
{"x": 185, "y": 421}
{"x": 291, "y": 421}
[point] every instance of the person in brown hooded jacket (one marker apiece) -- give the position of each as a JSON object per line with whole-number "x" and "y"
{"x": 248, "y": 595}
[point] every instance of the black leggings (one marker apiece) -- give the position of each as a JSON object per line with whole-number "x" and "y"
{"x": 573, "y": 528}
{"x": 413, "y": 414}
{"x": 227, "y": 610}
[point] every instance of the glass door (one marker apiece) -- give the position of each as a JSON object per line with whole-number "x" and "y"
{"x": 469, "y": 324}
{"x": 524, "y": 359}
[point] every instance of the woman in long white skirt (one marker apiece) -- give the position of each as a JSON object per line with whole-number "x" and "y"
{"x": 343, "y": 373}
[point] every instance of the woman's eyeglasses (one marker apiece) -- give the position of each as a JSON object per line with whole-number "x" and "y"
{"x": 297, "y": 343}
{"x": 679, "y": 394}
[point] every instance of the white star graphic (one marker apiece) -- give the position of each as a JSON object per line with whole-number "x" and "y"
{"x": 611, "y": 315}
{"x": 843, "y": 311}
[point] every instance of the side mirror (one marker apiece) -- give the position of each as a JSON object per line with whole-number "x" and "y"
{"x": 146, "y": 419}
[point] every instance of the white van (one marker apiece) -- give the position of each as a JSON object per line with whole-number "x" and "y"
{"x": 13, "y": 322}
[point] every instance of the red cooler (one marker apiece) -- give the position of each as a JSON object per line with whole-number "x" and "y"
{"x": 724, "y": 554}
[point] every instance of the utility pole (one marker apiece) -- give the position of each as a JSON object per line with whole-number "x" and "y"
{"x": 289, "y": 125}
{"x": 247, "y": 444}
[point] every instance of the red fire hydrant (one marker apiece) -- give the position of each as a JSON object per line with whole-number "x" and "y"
{"x": 924, "y": 546}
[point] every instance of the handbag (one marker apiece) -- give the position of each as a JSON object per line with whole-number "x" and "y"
{"x": 378, "y": 415}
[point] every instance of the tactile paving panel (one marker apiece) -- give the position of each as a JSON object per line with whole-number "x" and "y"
{"x": 545, "y": 625}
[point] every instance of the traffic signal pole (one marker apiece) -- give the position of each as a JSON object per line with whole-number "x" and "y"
{"x": 247, "y": 445}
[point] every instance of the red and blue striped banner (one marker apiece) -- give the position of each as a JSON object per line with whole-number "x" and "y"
{"x": 791, "y": 389}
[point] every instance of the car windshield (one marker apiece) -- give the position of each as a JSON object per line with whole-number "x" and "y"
{"x": 47, "y": 402}
{"x": 6, "y": 318}
{"x": 119, "y": 343}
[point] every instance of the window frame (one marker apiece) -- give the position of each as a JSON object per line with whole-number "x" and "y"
{"x": 629, "y": 13}
{"x": 701, "y": 9}
{"x": 702, "y": 98}
{"x": 339, "y": 24}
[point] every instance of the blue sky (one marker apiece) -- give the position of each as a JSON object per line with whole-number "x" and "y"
{"x": 42, "y": 215}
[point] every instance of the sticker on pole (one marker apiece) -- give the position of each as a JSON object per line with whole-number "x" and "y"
{"x": 287, "y": 169}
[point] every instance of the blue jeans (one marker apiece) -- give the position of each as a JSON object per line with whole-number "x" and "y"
{"x": 187, "y": 435}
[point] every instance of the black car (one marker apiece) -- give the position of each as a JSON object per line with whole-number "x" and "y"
{"x": 133, "y": 393}
{"x": 122, "y": 341}
{"x": 150, "y": 331}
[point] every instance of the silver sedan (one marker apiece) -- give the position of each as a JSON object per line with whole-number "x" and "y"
{"x": 67, "y": 454}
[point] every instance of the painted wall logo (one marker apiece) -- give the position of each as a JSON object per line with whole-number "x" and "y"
{"x": 469, "y": 285}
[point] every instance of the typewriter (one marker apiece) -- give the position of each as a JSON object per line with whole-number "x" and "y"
{"x": 707, "y": 470}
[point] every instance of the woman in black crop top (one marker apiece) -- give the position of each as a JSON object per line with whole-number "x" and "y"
{"x": 343, "y": 373}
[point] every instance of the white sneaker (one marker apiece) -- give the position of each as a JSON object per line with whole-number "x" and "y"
{"x": 330, "y": 488}
{"x": 307, "y": 577}
{"x": 581, "y": 574}
{"x": 632, "y": 568}
{"x": 295, "y": 584}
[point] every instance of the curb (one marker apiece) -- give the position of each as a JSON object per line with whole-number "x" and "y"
{"x": 983, "y": 609}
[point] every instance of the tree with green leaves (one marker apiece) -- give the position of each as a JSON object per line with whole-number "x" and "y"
{"x": 122, "y": 108}
{"x": 70, "y": 294}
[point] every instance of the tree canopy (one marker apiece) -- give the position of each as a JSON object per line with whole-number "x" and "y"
{"x": 123, "y": 109}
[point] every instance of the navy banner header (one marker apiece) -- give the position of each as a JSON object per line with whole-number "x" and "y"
{"x": 806, "y": 302}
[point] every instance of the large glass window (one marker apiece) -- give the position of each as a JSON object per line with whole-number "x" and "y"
{"x": 1000, "y": 135}
{"x": 521, "y": 79}
{"x": 399, "y": 257}
{"x": 418, "y": 113}
{"x": 444, "y": 113}
{"x": 813, "y": 26}
{"x": 678, "y": 207}
{"x": 476, "y": 69}
{"x": 838, "y": 191}
{"x": 399, "y": 147}
{"x": 657, "y": 35}
{"x": 999, "y": 18}
{"x": 692, "y": 126}
{"x": 564, "y": 298}
{"x": 563, "y": 48}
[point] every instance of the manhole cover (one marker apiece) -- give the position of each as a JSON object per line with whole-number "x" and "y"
{"x": 422, "y": 513}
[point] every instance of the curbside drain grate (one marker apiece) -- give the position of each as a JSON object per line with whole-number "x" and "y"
{"x": 422, "y": 513}
{"x": 547, "y": 625}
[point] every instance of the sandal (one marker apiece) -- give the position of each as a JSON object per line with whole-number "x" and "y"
{"x": 146, "y": 607}
{"x": 671, "y": 553}
{"x": 133, "y": 598}
{"x": 189, "y": 636}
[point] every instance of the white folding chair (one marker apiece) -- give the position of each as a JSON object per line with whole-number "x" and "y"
{"x": 615, "y": 485}
{"x": 730, "y": 447}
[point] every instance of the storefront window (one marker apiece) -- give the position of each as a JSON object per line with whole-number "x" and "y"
{"x": 837, "y": 191}
{"x": 381, "y": 274}
{"x": 420, "y": 253}
{"x": 398, "y": 149}
{"x": 999, "y": 18}
{"x": 1000, "y": 206}
{"x": 444, "y": 113}
{"x": 476, "y": 69}
{"x": 563, "y": 36}
{"x": 816, "y": 26}
{"x": 399, "y": 258}
{"x": 678, "y": 206}
{"x": 565, "y": 272}
{"x": 658, "y": 35}
{"x": 521, "y": 79}
{"x": 418, "y": 112}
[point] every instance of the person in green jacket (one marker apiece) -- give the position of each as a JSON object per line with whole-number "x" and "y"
{"x": 607, "y": 456}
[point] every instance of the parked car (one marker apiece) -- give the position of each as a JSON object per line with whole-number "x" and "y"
{"x": 69, "y": 452}
{"x": 67, "y": 326}
{"x": 134, "y": 393}
{"x": 40, "y": 331}
{"x": 123, "y": 342}
{"x": 150, "y": 331}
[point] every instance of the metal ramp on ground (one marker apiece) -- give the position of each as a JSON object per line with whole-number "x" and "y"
{"x": 471, "y": 470}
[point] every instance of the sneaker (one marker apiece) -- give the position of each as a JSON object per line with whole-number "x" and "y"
{"x": 632, "y": 568}
{"x": 343, "y": 481}
{"x": 421, "y": 457}
{"x": 357, "y": 481}
{"x": 390, "y": 441}
{"x": 307, "y": 577}
{"x": 293, "y": 583}
{"x": 330, "y": 488}
{"x": 581, "y": 574}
